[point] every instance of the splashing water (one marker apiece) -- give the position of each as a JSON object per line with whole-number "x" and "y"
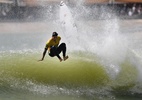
{"x": 69, "y": 27}
{"x": 104, "y": 39}
{"x": 114, "y": 46}
{"x": 111, "y": 46}
{"x": 110, "y": 68}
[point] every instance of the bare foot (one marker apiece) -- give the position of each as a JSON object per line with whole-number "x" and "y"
{"x": 60, "y": 60}
{"x": 65, "y": 58}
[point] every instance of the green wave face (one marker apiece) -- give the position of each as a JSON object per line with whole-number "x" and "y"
{"x": 74, "y": 71}
{"x": 71, "y": 73}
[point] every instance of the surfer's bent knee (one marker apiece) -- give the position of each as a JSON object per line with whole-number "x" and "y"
{"x": 63, "y": 44}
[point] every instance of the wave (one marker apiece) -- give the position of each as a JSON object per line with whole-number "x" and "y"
{"x": 77, "y": 71}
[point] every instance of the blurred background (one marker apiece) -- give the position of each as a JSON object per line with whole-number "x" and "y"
{"x": 31, "y": 10}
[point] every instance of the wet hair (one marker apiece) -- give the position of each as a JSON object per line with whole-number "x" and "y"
{"x": 54, "y": 34}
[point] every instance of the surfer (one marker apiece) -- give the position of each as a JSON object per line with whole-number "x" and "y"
{"x": 54, "y": 49}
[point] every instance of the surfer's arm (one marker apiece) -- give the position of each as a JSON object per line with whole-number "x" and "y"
{"x": 43, "y": 55}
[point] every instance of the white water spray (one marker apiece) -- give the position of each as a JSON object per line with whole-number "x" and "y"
{"x": 99, "y": 37}
{"x": 69, "y": 27}
{"x": 113, "y": 48}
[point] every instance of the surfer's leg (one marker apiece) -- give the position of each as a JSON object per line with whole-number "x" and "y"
{"x": 54, "y": 52}
{"x": 62, "y": 48}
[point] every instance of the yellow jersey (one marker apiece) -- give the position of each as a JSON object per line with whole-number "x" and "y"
{"x": 51, "y": 42}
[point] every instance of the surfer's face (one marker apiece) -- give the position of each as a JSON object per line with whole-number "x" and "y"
{"x": 54, "y": 37}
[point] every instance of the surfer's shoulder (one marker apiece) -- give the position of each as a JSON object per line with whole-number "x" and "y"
{"x": 59, "y": 37}
{"x": 49, "y": 40}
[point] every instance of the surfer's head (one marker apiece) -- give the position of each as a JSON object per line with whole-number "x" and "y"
{"x": 54, "y": 34}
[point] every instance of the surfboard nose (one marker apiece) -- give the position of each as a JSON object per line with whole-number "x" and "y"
{"x": 62, "y": 3}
